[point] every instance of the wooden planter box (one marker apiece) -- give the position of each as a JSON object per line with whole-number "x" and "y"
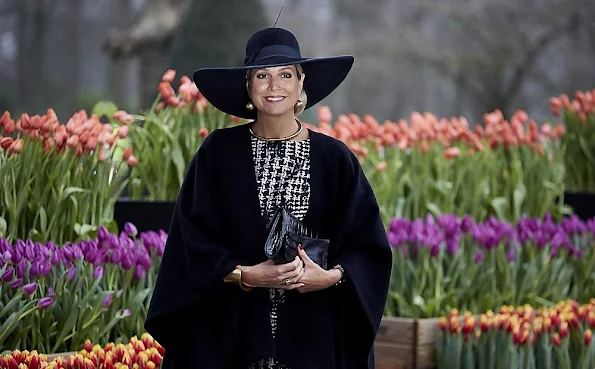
{"x": 406, "y": 343}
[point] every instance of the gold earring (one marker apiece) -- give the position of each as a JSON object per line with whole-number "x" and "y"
{"x": 299, "y": 104}
{"x": 250, "y": 106}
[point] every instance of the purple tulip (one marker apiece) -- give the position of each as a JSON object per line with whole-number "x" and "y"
{"x": 145, "y": 260}
{"x": 29, "y": 253}
{"x": 7, "y": 256}
{"x": 67, "y": 252}
{"x": 91, "y": 256}
{"x": 140, "y": 272}
{"x": 127, "y": 262}
{"x": 71, "y": 272}
{"x": 19, "y": 247}
{"x": 35, "y": 270}
{"x": 434, "y": 250}
{"x": 46, "y": 268}
{"x": 511, "y": 254}
{"x": 478, "y": 257}
{"x": 161, "y": 249}
{"x": 8, "y": 274}
{"x": 45, "y": 302}
{"x": 56, "y": 257}
{"x": 51, "y": 291}
{"x": 116, "y": 256}
{"x": 467, "y": 224}
{"x": 452, "y": 245}
{"x": 102, "y": 233}
{"x": 130, "y": 229}
{"x": 30, "y": 288}
{"x": 126, "y": 313}
{"x": 98, "y": 273}
{"x": 77, "y": 253}
{"x": 107, "y": 301}
{"x": 16, "y": 283}
{"x": 4, "y": 245}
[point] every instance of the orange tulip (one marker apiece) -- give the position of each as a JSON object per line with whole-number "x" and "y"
{"x": 132, "y": 161}
{"x": 451, "y": 152}
{"x": 324, "y": 114}
{"x": 6, "y": 142}
{"x": 203, "y": 132}
{"x": 381, "y": 166}
{"x": 165, "y": 90}
{"x": 169, "y": 76}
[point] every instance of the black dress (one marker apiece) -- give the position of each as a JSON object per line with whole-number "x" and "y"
{"x": 230, "y": 189}
{"x": 282, "y": 171}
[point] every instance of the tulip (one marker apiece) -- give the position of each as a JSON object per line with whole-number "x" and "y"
{"x": 30, "y": 288}
{"x": 130, "y": 229}
{"x": 8, "y": 274}
{"x": 45, "y": 302}
{"x": 107, "y": 301}
{"x": 16, "y": 283}
{"x": 98, "y": 273}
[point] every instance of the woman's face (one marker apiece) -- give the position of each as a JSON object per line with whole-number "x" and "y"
{"x": 274, "y": 91}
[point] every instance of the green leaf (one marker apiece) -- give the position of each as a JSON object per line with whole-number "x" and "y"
{"x": 84, "y": 229}
{"x": 11, "y": 304}
{"x": 105, "y": 108}
{"x": 68, "y": 324}
{"x": 3, "y": 226}
{"x": 70, "y": 190}
{"x": 499, "y": 205}
{"x": 43, "y": 219}
{"x": 8, "y": 326}
{"x": 519, "y": 194}
{"x": 434, "y": 209}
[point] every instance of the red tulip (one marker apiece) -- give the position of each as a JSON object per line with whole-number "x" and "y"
{"x": 556, "y": 339}
{"x": 563, "y": 329}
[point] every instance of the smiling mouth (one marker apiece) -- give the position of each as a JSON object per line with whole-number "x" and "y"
{"x": 274, "y": 99}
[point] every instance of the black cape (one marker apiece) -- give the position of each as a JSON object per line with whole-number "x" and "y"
{"x": 203, "y": 322}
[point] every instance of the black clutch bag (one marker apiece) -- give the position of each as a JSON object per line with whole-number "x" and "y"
{"x": 286, "y": 232}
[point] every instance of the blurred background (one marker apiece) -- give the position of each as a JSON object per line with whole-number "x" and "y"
{"x": 450, "y": 57}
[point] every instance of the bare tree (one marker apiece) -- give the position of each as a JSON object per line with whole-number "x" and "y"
{"x": 149, "y": 38}
{"x": 72, "y": 65}
{"x": 121, "y": 16}
{"x": 33, "y": 16}
{"x": 490, "y": 49}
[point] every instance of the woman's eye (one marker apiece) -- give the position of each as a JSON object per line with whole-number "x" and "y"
{"x": 260, "y": 75}
{"x": 287, "y": 75}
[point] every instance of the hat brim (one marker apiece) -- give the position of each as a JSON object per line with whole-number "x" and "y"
{"x": 225, "y": 88}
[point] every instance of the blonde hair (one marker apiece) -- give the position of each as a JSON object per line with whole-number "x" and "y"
{"x": 303, "y": 97}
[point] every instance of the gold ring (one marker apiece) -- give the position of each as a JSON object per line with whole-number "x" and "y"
{"x": 288, "y": 281}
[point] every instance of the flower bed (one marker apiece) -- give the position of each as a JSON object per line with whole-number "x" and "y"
{"x": 519, "y": 337}
{"x": 53, "y": 298}
{"x": 578, "y": 116}
{"x": 143, "y": 353}
{"x": 174, "y": 127}
{"x": 447, "y": 262}
{"x": 58, "y": 181}
{"x": 431, "y": 165}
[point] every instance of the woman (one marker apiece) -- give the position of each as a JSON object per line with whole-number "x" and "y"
{"x": 219, "y": 302}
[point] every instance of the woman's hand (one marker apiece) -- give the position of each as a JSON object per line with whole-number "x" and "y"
{"x": 270, "y": 275}
{"x": 315, "y": 278}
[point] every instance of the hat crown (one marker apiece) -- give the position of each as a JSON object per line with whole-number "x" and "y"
{"x": 271, "y": 41}
{"x": 271, "y": 36}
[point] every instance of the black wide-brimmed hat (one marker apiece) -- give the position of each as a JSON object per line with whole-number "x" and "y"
{"x": 225, "y": 88}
